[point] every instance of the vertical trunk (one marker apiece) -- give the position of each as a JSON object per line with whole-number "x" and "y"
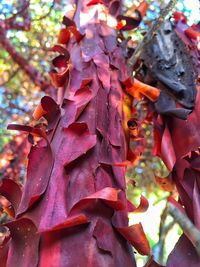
{"x": 175, "y": 70}
{"x": 73, "y": 209}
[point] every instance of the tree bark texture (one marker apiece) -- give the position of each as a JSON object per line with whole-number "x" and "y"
{"x": 73, "y": 208}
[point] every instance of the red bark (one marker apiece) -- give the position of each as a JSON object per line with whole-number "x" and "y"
{"x": 73, "y": 209}
{"x": 177, "y": 143}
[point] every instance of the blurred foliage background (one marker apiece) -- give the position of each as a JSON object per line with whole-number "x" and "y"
{"x": 20, "y": 93}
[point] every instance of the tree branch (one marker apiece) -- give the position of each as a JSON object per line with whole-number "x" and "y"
{"x": 19, "y": 26}
{"x": 153, "y": 30}
{"x": 48, "y": 13}
{"x": 12, "y": 23}
{"x": 188, "y": 227}
{"x": 11, "y": 76}
{"x": 22, "y": 9}
{"x": 29, "y": 69}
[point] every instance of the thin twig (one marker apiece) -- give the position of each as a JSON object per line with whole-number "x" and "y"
{"x": 188, "y": 227}
{"x": 47, "y": 14}
{"x": 11, "y": 76}
{"x": 24, "y": 63}
{"x": 163, "y": 231}
{"x": 149, "y": 35}
{"x": 23, "y": 8}
{"x": 12, "y": 23}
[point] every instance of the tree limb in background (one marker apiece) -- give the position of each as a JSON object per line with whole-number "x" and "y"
{"x": 48, "y": 13}
{"x": 11, "y": 76}
{"x": 29, "y": 69}
{"x": 22, "y": 9}
{"x": 156, "y": 25}
{"x": 163, "y": 231}
{"x": 12, "y": 23}
{"x": 188, "y": 227}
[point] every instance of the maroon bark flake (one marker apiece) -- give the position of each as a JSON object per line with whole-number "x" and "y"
{"x": 184, "y": 254}
{"x": 136, "y": 236}
{"x": 60, "y": 61}
{"x": 52, "y": 111}
{"x": 77, "y": 142}
{"x": 143, "y": 205}
{"x": 61, "y": 50}
{"x": 58, "y": 248}
{"x": 102, "y": 232}
{"x": 37, "y": 176}
{"x": 71, "y": 206}
{"x": 24, "y": 244}
{"x": 167, "y": 150}
{"x": 176, "y": 135}
{"x": 190, "y": 128}
{"x": 4, "y": 254}
{"x": 28, "y": 129}
{"x": 12, "y": 191}
{"x": 109, "y": 195}
{"x": 130, "y": 22}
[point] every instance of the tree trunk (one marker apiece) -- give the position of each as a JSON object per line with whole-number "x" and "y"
{"x": 73, "y": 208}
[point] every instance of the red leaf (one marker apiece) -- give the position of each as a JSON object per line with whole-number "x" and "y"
{"x": 194, "y": 160}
